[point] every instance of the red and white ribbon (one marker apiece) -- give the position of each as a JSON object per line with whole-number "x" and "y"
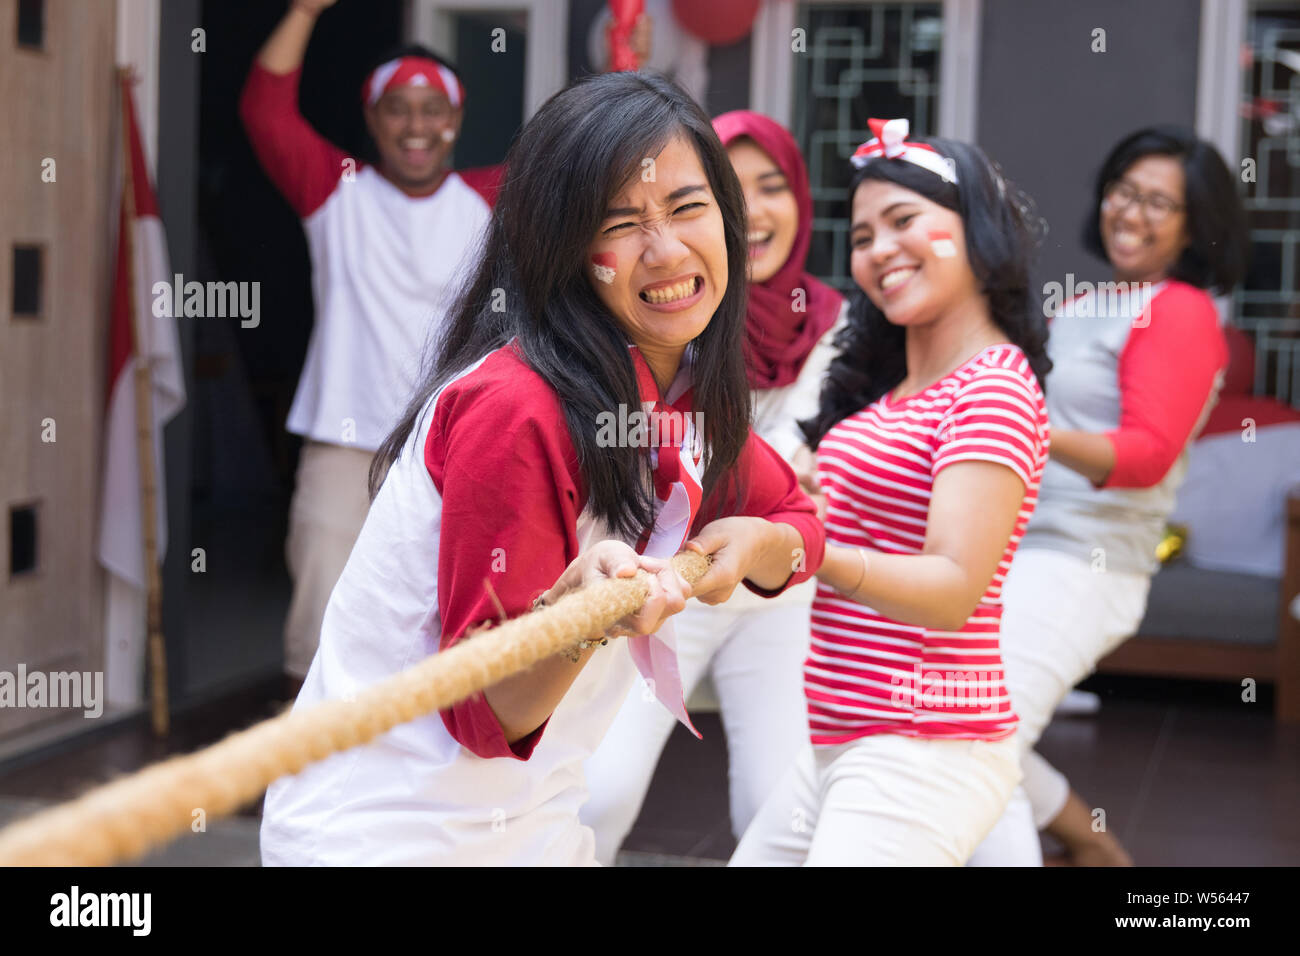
{"x": 676, "y": 454}
{"x": 891, "y": 142}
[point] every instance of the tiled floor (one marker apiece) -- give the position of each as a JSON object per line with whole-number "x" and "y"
{"x": 229, "y": 842}
{"x": 1187, "y": 774}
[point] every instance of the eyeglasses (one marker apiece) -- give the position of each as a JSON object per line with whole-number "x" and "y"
{"x": 1119, "y": 195}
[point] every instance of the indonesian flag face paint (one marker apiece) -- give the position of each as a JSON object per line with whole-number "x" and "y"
{"x": 412, "y": 71}
{"x": 603, "y": 267}
{"x": 942, "y": 244}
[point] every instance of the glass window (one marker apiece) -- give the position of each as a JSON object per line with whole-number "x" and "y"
{"x": 27, "y": 276}
{"x": 1269, "y": 301}
{"x": 878, "y": 60}
{"x": 22, "y": 539}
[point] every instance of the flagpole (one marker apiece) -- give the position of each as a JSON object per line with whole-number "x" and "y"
{"x": 144, "y": 440}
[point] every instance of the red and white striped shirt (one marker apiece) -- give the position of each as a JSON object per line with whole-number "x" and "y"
{"x": 865, "y": 673}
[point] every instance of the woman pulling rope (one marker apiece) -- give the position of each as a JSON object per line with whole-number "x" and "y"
{"x": 126, "y": 818}
{"x": 589, "y": 407}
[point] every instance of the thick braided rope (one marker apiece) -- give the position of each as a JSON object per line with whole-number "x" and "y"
{"x": 124, "y": 819}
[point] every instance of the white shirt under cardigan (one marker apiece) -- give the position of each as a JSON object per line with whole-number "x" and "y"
{"x": 489, "y": 473}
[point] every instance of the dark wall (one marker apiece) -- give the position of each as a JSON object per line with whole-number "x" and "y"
{"x": 1050, "y": 109}
{"x": 494, "y": 89}
{"x": 249, "y": 230}
{"x": 177, "y": 176}
{"x": 230, "y": 460}
{"x": 581, "y": 13}
{"x": 729, "y": 77}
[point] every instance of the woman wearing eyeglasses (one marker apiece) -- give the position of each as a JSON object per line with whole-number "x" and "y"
{"x": 1137, "y": 366}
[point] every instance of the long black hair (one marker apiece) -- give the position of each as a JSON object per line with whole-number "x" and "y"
{"x": 1002, "y": 231}
{"x": 563, "y": 171}
{"x": 1216, "y": 256}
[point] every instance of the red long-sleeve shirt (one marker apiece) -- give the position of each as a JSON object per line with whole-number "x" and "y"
{"x": 500, "y": 431}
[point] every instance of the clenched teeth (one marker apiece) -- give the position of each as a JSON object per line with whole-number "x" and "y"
{"x": 672, "y": 293}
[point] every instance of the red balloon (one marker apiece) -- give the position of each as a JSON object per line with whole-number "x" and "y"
{"x": 718, "y": 22}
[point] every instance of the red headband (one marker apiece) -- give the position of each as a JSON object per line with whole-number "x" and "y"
{"x": 891, "y": 143}
{"x": 411, "y": 71}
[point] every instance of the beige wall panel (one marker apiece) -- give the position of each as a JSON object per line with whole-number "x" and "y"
{"x": 58, "y": 103}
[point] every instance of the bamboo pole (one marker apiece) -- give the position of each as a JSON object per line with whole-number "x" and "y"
{"x": 160, "y": 717}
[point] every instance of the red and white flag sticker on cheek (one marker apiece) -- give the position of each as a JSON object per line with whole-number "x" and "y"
{"x": 942, "y": 245}
{"x": 602, "y": 266}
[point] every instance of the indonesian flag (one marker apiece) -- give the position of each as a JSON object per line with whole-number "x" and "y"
{"x": 625, "y": 13}
{"x": 602, "y": 265}
{"x": 942, "y": 244}
{"x": 121, "y": 530}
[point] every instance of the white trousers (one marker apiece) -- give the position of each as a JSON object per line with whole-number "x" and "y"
{"x": 755, "y": 657}
{"x": 1059, "y": 618}
{"x": 884, "y": 800}
{"x": 329, "y": 506}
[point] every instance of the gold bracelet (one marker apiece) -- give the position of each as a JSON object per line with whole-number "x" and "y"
{"x": 862, "y": 553}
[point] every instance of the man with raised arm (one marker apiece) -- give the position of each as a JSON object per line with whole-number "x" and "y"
{"x": 387, "y": 244}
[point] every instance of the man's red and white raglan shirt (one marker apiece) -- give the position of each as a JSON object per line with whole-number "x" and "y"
{"x": 385, "y": 266}
{"x": 487, "y": 489}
